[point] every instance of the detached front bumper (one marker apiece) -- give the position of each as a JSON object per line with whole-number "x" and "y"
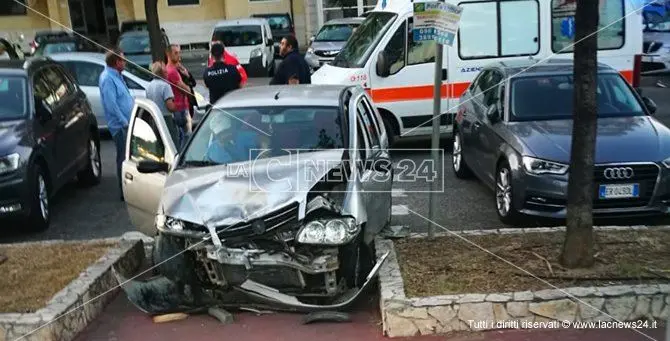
{"x": 546, "y": 195}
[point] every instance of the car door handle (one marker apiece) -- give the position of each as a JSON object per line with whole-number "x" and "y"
{"x": 129, "y": 177}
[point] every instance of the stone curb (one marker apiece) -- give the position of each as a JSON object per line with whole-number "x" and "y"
{"x": 648, "y": 304}
{"x": 80, "y": 302}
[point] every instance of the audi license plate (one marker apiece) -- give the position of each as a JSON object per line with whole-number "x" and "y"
{"x": 619, "y": 191}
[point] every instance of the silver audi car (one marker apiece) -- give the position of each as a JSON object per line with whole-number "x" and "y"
{"x": 513, "y": 131}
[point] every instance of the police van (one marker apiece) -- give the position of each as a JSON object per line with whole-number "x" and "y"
{"x": 398, "y": 72}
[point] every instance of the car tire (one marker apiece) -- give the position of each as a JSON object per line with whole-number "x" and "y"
{"x": 392, "y": 137}
{"x": 92, "y": 173}
{"x": 460, "y": 167}
{"x": 40, "y": 214}
{"x": 504, "y": 196}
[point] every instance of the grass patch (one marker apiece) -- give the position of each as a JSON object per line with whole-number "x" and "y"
{"x": 449, "y": 265}
{"x": 33, "y": 274}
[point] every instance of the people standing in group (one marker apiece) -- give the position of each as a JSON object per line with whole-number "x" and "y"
{"x": 220, "y": 78}
{"x": 117, "y": 103}
{"x": 293, "y": 66}
{"x": 180, "y": 90}
{"x": 160, "y": 92}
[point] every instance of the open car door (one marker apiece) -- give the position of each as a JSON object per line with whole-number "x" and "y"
{"x": 148, "y": 140}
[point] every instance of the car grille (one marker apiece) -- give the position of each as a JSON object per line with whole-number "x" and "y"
{"x": 327, "y": 54}
{"x": 283, "y": 219}
{"x": 646, "y": 175}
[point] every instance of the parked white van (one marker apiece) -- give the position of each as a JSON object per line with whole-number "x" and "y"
{"x": 489, "y": 30}
{"x": 250, "y": 40}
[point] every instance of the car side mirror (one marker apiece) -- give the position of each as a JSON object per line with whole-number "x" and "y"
{"x": 650, "y": 104}
{"x": 147, "y": 167}
{"x": 383, "y": 69}
{"x": 493, "y": 114}
{"x": 270, "y": 42}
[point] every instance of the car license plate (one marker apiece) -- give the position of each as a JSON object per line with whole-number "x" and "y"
{"x": 619, "y": 191}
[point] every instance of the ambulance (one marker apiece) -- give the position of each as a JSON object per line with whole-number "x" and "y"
{"x": 398, "y": 72}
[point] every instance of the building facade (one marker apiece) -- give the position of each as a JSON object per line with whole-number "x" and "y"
{"x": 186, "y": 22}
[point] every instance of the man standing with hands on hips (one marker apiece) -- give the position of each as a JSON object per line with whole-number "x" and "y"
{"x": 180, "y": 89}
{"x": 117, "y": 103}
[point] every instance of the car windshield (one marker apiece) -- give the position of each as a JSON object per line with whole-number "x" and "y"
{"x": 239, "y": 35}
{"x": 135, "y": 44}
{"x": 363, "y": 41}
{"x": 279, "y": 22}
{"x": 13, "y": 103}
{"x": 530, "y": 95}
{"x": 336, "y": 32}
{"x": 50, "y": 48}
{"x": 244, "y": 134}
{"x": 139, "y": 72}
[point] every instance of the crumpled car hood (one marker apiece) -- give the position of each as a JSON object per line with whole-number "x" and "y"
{"x": 234, "y": 193}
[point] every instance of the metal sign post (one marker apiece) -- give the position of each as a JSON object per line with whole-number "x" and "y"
{"x": 436, "y": 21}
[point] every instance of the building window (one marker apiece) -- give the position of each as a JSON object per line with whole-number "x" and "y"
{"x": 12, "y": 7}
{"x": 183, "y": 2}
{"x": 491, "y": 29}
{"x": 611, "y": 26}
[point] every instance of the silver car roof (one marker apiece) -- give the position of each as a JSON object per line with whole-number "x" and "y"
{"x": 84, "y": 56}
{"x": 283, "y": 95}
{"x": 351, "y": 20}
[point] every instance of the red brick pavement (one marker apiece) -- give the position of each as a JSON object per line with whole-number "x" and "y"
{"x": 123, "y": 322}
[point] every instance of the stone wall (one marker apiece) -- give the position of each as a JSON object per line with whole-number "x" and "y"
{"x": 644, "y": 305}
{"x": 78, "y": 304}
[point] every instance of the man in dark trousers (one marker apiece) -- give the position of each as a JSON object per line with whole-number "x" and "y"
{"x": 220, "y": 78}
{"x": 293, "y": 66}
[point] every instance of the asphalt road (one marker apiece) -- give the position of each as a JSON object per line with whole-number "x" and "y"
{"x": 463, "y": 205}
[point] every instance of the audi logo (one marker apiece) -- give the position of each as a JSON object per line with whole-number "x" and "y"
{"x": 618, "y": 173}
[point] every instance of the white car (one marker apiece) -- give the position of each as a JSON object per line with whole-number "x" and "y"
{"x": 251, "y": 41}
{"x": 86, "y": 68}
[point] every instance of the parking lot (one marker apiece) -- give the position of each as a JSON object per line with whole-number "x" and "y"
{"x": 463, "y": 205}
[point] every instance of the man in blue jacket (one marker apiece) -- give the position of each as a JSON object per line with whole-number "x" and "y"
{"x": 117, "y": 103}
{"x": 293, "y": 66}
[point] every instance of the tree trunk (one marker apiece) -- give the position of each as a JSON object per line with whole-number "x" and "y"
{"x": 155, "y": 36}
{"x": 578, "y": 246}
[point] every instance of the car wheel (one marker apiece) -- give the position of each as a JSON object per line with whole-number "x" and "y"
{"x": 392, "y": 137}
{"x": 91, "y": 175}
{"x": 40, "y": 214}
{"x": 461, "y": 168}
{"x": 507, "y": 213}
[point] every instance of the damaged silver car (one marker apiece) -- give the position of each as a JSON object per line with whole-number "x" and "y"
{"x": 276, "y": 197}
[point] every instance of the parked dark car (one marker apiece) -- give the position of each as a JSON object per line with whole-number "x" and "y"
{"x": 513, "y": 131}
{"x": 136, "y": 47}
{"x": 60, "y": 44}
{"x": 42, "y": 36}
{"x": 48, "y": 136}
{"x": 10, "y": 49}
{"x": 281, "y": 26}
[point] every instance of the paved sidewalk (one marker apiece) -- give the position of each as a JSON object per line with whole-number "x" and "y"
{"x": 122, "y": 322}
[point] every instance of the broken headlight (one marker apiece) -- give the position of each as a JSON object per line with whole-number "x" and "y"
{"x": 163, "y": 222}
{"x": 328, "y": 231}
